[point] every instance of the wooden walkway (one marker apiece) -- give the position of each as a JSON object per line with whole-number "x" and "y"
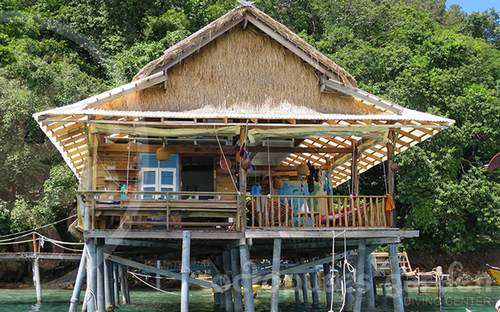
{"x": 22, "y": 256}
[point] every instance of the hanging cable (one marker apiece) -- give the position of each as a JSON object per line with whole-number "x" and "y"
{"x": 385, "y": 177}
{"x": 150, "y": 285}
{"x": 39, "y": 228}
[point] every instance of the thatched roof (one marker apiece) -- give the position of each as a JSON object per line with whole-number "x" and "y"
{"x": 252, "y": 15}
{"x": 246, "y": 69}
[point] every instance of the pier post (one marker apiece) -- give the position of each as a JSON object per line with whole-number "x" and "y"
{"x": 236, "y": 278}
{"x": 116, "y": 287}
{"x": 348, "y": 291}
{"x": 276, "y": 274}
{"x": 185, "y": 270}
{"x": 296, "y": 288}
{"x": 125, "y": 295}
{"x": 360, "y": 272}
{"x": 108, "y": 286}
{"x": 158, "y": 278}
{"x": 246, "y": 276}
{"x": 327, "y": 283}
{"x": 397, "y": 291}
{"x": 75, "y": 296}
{"x": 91, "y": 293}
{"x": 370, "y": 289}
{"x": 101, "y": 306}
{"x": 303, "y": 278}
{"x": 384, "y": 295}
{"x": 36, "y": 279}
{"x": 226, "y": 266}
{"x": 314, "y": 288}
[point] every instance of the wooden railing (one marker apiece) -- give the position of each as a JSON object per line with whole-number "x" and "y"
{"x": 296, "y": 211}
{"x": 162, "y": 210}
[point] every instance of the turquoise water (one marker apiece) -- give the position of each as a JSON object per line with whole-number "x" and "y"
{"x": 476, "y": 299}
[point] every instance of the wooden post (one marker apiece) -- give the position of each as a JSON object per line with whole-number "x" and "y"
{"x": 246, "y": 276}
{"x": 36, "y": 272}
{"x": 397, "y": 291}
{"x": 242, "y": 222}
{"x": 348, "y": 291}
{"x": 384, "y": 295}
{"x": 370, "y": 290}
{"x": 360, "y": 272}
{"x": 314, "y": 288}
{"x": 226, "y": 265}
{"x": 125, "y": 296}
{"x": 91, "y": 299}
{"x": 327, "y": 284}
{"x": 116, "y": 282}
{"x": 75, "y": 296}
{"x": 235, "y": 274}
{"x": 354, "y": 169}
{"x": 185, "y": 270}
{"x": 303, "y": 278}
{"x": 390, "y": 173}
{"x": 276, "y": 274}
{"x": 108, "y": 286}
{"x": 296, "y": 278}
{"x": 158, "y": 278}
{"x": 101, "y": 304}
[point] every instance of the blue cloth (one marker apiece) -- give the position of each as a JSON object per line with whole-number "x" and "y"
{"x": 256, "y": 189}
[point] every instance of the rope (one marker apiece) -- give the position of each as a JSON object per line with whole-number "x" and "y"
{"x": 225, "y": 161}
{"x": 21, "y": 242}
{"x": 38, "y": 228}
{"x": 14, "y": 238}
{"x": 128, "y": 161}
{"x": 150, "y": 285}
{"x": 60, "y": 242}
{"x": 385, "y": 178}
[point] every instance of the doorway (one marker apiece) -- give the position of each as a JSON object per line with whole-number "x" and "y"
{"x": 197, "y": 174}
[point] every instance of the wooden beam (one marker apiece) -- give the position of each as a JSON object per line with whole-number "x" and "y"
{"x": 295, "y": 150}
{"x": 162, "y": 272}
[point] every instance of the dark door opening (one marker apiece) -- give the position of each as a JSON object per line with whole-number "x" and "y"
{"x": 197, "y": 174}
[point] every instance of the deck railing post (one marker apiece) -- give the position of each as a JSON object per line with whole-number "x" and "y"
{"x": 185, "y": 270}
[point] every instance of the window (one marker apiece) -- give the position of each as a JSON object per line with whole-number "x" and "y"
{"x": 158, "y": 180}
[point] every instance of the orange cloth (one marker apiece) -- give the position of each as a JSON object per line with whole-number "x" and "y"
{"x": 390, "y": 205}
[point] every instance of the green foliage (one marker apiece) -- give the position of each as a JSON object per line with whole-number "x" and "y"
{"x": 417, "y": 53}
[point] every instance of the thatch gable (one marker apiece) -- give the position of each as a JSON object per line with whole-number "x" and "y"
{"x": 246, "y": 14}
{"x": 243, "y": 70}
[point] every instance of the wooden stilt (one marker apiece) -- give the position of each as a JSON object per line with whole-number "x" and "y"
{"x": 36, "y": 280}
{"x": 276, "y": 275}
{"x": 228, "y": 293}
{"x": 246, "y": 277}
{"x": 125, "y": 295}
{"x": 297, "y": 283}
{"x": 91, "y": 299}
{"x": 314, "y": 288}
{"x": 360, "y": 273}
{"x": 303, "y": 278}
{"x": 75, "y": 296}
{"x": 235, "y": 276}
{"x": 185, "y": 270}
{"x": 85, "y": 301}
{"x": 327, "y": 284}
{"x": 116, "y": 286}
{"x": 348, "y": 291}
{"x": 384, "y": 296}
{"x": 158, "y": 278}
{"x": 108, "y": 286}
{"x": 101, "y": 305}
{"x": 397, "y": 291}
{"x": 370, "y": 290}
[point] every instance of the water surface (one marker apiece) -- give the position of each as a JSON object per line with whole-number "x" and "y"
{"x": 476, "y": 299}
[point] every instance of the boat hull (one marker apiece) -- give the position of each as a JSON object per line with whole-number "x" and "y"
{"x": 494, "y": 273}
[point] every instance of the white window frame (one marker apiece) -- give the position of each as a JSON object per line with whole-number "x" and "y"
{"x": 157, "y": 185}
